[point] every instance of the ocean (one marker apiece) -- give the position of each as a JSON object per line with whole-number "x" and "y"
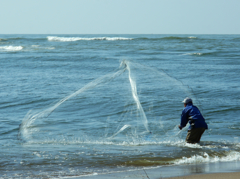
{"x": 88, "y": 105}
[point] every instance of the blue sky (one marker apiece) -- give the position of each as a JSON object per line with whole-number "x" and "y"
{"x": 120, "y": 17}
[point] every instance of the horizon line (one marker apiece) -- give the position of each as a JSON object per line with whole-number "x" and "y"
{"x": 117, "y": 34}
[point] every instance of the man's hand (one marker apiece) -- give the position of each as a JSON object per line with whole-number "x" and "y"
{"x": 179, "y": 127}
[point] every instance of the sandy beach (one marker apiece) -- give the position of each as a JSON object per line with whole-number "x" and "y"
{"x": 141, "y": 174}
{"x": 234, "y": 175}
{"x": 222, "y": 170}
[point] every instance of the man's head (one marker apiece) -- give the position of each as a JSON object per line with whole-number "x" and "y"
{"x": 186, "y": 101}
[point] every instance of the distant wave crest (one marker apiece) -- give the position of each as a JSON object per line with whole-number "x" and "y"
{"x": 168, "y": 38}
{"x": 201, "y": 54}
{"x": 194, "y": 54}
{"x": 192, "y": 37}
{"x": 69, "y": 39}
{"x": 2, "y": 39}
{"x": 38, "y": 47}
{"x": 178, "y": 38}
{"x": 11, "y": 48}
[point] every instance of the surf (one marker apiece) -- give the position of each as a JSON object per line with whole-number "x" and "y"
{"x": 72, "y": 39}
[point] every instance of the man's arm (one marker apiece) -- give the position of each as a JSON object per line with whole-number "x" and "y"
{"x": 184, "y": 120}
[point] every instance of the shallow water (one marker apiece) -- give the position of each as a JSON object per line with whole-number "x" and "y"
{"x": 76, "y": 105}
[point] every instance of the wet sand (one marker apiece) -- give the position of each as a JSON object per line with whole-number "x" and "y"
{"x": 234, "y": 175}
{"x": 218, "y": 170}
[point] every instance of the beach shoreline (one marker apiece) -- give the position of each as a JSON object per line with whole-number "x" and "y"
{"x": 195, "y": 171}
{"x": 232, "y": 175}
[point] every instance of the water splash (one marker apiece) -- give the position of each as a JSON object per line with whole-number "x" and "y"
{"x": 70, "y": 39}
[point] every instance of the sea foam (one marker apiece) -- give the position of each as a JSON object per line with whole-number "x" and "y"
{"x": 231, "y": 156}
{"x": 11, "y": 48}
{"x": 38, "y": 47}
{"x": 69, "y": 39}
{"x": 194, "y": 54}
{"x": 192, "y": 37}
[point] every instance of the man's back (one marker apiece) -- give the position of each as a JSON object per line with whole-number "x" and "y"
{"x": 192, "y": 114}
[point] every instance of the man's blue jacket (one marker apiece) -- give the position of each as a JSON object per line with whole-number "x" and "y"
{"x": 192, "y": 114}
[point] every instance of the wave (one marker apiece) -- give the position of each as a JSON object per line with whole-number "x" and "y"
{"x": 194, "y": 54}
{"x": 11, "y": 48}
{"x": 168, "y": 38}
{"x": 23, "y": 38}
{"x": 144, "y": 140}
{"x": 38, "y": 47}
{"x": 14, "y": 38}
{"x": 178, "y": 38}
{"x": 70, "y": 39}
{"x": 237, "y": 39}
{"x": 192, "y": 37}
{"x": 201, "y": 54}
{"x": 35, "y": 46}
{"x": 205, "y": 158}
{"x": 2, "y": 40}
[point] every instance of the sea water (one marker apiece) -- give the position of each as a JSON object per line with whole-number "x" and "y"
{"x": 86, "y": 105}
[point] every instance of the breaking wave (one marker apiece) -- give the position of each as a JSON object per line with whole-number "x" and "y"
{"x": 69, "y": 39}
{"x": 11, "y": 48}
{"x": 2, "y": 39}
{"x": 178, "y": 38}
{"x": 38, "y": 47}
{"x": 205, "y": 158}
{"x": 194, "y": 54}
{"x": 201, "y": 54}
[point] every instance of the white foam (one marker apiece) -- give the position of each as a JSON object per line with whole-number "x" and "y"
{"x": 196, "y": 54}
{"x": 87, "y": 175}
{"x": 39, "y": 47}
{"x": 193, "y": 54}
{"x": 231, "y": 156}
{"x": 11, "y": 48}
{"x": 135, "y": 142}
{"x": 69, "y": 39}
{"x": 192, "y": 37}
{"x": 50, "y": 48}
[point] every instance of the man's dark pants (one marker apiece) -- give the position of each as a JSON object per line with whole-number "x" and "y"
{"x": 194, "y": 135}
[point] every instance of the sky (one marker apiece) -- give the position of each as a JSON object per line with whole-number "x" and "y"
{"x": 120, "y": 17}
